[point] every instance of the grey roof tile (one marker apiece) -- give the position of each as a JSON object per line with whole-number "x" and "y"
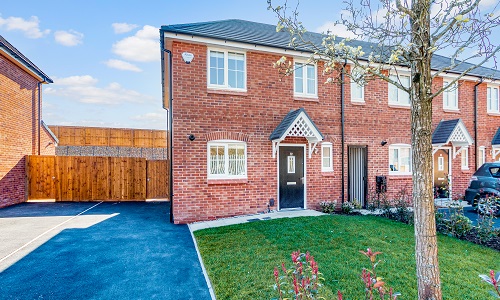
{"x": 496, "y": 138}
{"x": 4, "y": 44}
{"x": 265, "y": 35}
{"x": 443, "y": 131}
{"x": 287, "y": 121}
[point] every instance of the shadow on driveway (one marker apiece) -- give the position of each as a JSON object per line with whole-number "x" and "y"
{"x": 112, "y": 251}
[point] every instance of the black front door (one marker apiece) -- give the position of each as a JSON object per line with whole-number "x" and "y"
{"x": 291, "y": 178}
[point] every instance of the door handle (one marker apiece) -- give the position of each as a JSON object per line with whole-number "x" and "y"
{"x": 302, "y": 179}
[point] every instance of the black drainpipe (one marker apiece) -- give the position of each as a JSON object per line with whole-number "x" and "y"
{"x": 39, "y": 121}
{"x": 475, "y": 121}
{"x": 170, "y": 115}
{"x": 342, "y": 78}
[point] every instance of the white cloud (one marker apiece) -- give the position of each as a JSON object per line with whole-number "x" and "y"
{"x": 337, "y": 29}
{"x": 150, "y": 117}
{"x": 75, "y": 80}
{"x": 122, "y": 65}
{"x": 31, "y": 27}
{"x": 123, "y": 27}
{"x": 68, "y": 38}
{"x": 142, "y": 47}
{"x": 84, "y": 89}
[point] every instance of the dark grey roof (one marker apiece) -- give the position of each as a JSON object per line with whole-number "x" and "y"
{"x": 50, "y": 132}
{"x": 496, "y": 138}
{"x": 265, "y": 35}
{"x": 4, "y": 44}
{"x": 443, "y": 131}
{"x": 287, "y": 121}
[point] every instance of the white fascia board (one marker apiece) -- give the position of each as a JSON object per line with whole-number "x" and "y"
{"x": 23, "y": 66}
{"x": 210, "y": 42}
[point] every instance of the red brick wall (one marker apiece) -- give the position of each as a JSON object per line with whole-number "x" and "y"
{"x": 18, "y": 129}
{"x": 256, "y": 113}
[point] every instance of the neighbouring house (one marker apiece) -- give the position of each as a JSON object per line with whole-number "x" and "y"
{"x": 22, "y": 131}
{"x": 112, "y": 142}
{"x": 246, "y": 139}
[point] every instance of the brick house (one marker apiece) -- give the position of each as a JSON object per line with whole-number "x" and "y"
{"x": 246, "y": 139}
{"x": 22, "y": 132}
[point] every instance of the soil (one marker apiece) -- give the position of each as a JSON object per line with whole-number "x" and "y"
{"x": 473, "y": 236}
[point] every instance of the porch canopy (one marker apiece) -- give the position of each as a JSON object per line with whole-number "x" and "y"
{"x": 454, "y": 132}
{"x": 495, "y": 144}
{"x": 296, "y": 123}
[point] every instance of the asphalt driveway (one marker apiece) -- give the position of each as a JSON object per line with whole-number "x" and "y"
{"x": 125, "y": 250}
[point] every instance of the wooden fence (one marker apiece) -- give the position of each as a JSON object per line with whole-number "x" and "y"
{"x": 92, "y": 178}
{"x": 97, "y": 136}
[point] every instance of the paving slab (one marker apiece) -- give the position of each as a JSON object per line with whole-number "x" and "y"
{"x": 104, "y": 251}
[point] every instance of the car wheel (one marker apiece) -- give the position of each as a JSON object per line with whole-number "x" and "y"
{"x": 485, "y": 207}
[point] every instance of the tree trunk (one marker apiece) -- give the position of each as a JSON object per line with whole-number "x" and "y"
{"x": 426, "y": 251}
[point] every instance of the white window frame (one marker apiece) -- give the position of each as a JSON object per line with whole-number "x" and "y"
{"x": 399, "y": 147}
{"x": 356, "y": 86}
{"x": 490, "y": 89}
{"x": 464, "y": 159}
{"x": 326, "y": 147}
{"x": 481, "y": 156}
{"x": 440, "y": 163}
{"x": 399, "y": 92}
{"x": 226, "y": 144}
{"x": 303, "y": 70}
{"x": 226, "y": 86}
{"x": 451, "y": 92}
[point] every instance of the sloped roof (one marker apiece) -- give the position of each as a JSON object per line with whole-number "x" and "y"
{"x": 7, "y": 47}
{"x": 307, "y": 130}
{"x": 265, "y": 35}
{"x": 496, "y": 138}
{"x": 453, "y": 131}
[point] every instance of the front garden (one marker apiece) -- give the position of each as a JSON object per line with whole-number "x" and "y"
{"x": 240, "y": 259}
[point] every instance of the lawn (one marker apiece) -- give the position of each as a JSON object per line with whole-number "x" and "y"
{"x": 240, "y": 259}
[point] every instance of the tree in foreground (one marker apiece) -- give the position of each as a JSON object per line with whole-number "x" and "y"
{"x": 405, "y": 34}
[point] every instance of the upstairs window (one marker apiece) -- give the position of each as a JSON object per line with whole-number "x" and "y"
{"x": 450, "y": 96}
{"x": 226, "y": 69}
{"x": 400, "y": 160}
{"x": 357, "y": 90}
{"x": 305, "y": 83}
{"x": 396, "y": 95}
{"x": 492, "y": 95}
{"x": 326, "y": 157}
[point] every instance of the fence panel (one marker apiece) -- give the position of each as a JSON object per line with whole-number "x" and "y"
{"x": 41, "y": 177}
{"x": 157, "y": 179}
{"x": 91, "y": 178}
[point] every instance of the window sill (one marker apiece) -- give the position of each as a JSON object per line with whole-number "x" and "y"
{"x": 494, "y": 114}
{"x": 227, "y": 181}
{"x": 465, "y": 169}
{"x": 399, "y": 106}
{"x": 304, "y": 98}
{"x": 357, "y": 102}
{"x": 400, "y": 176}
{"x": 327, "y": 173}
{"x": 451, "y": 110}
{"x": 227, "y": 92}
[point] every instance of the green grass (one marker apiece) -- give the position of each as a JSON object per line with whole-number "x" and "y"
{"x": 240, "y": 259}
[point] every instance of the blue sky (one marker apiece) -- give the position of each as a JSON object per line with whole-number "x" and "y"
{"x": 104, "y": 57}
{"x": 105, "y": 74}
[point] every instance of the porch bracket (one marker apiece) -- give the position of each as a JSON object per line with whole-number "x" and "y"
{"x": 456, "y": 152}
{"x": 312, "y": 146}
{"x": 495, "y": 152}
{"x": 275, "y": 147}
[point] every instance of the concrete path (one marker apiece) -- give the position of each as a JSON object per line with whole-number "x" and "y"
{"x": 97, "y": 251}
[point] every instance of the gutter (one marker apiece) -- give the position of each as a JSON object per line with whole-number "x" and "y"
{"x": 170, "y": 116}
{"x": 476, "y": 147}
